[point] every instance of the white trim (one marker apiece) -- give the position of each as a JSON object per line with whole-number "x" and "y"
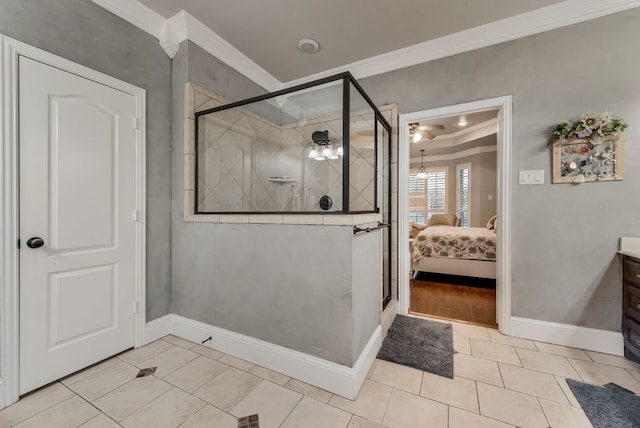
{"x": 592, "y": 339}
{"x": 157, "y": 328}
{"x": 9, "y": 286}
{"x": 503, "y": 104}
{"x": 186, "y": 27}
{"x": 136, "y": 13}
{"x": 342, "y": 380}
{"x": 559, "y": 15}
{"x": 564, "y": 13}
{"x": 458, "y": 155}
{"x": 9, "y": 340}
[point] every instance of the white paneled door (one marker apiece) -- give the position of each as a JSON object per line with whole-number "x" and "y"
{"x": 77, "y": 184}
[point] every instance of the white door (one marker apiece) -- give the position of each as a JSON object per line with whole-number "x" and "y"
{"x": 76, "y": 148}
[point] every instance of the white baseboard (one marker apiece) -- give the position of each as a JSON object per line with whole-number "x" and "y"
{"x": 338, "y": 379}
{"x": 608, "y": 342}
{"x": 157, "y": 328}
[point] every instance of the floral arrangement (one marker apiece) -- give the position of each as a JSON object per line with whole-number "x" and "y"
{"x": 587, "y": 126}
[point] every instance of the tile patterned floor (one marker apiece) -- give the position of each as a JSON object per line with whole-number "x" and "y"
{"x": 499, "y": 382}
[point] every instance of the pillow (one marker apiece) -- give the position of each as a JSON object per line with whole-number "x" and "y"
{"x": 416, "y": 228}
{"x": 443, "y": 220}
{"x": 491, "y": 224}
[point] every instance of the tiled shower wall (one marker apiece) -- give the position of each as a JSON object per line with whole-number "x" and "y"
{"x": 236, "y": 154}
{"x": 239, "y": 153}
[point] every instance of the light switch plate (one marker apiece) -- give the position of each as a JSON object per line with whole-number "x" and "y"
{"x": 535, "y": 176}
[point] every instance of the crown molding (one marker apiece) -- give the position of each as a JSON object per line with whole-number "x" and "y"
{"x": 136, "y": 13}
{"x": 171, "y": 32}
{"x": 458, "y": 155}
{"x": 537, "y": 21}
{"x": 210, "y": 41}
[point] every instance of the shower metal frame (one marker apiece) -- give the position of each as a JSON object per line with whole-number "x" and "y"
{"x": 347, "y": 80}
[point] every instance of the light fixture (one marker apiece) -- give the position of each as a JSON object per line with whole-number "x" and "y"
{"x": 419, "y": 132}
{"x": 422, "y": 171}
{"x": 323, "y": 149}
{"x": 308, "y": 46}
{"x": 463, "y": 121}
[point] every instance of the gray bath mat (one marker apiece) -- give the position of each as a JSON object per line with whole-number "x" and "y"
{"x": 421, "y": 344}
{"x": 609, "y": 406}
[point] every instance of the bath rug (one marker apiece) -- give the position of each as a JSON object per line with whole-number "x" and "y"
{"x": 609, "y": 406}
{"x": 421, "y": 344}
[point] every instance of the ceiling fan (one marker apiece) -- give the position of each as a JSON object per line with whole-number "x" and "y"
{"x": 417, "y": 131}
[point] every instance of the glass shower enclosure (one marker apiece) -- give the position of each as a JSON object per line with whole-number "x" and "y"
{"x": 317, "y": 148}
{"x": 310, "y": 149}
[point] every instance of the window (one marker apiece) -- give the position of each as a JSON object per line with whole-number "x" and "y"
{"x": 427, "y": 196}
{"x": 463, "y": 193}
{"x": 417, "y": 200}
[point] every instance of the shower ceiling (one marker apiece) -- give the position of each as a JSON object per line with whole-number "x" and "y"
{"x": 349, "y": 31}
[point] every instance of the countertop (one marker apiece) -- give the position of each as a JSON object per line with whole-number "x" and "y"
{"x": 630, "y": 247}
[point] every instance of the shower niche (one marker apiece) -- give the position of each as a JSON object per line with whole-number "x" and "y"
{"x": 310, "y": 149}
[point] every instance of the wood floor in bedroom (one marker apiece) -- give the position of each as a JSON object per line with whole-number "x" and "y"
{"x": 476, "y": 305}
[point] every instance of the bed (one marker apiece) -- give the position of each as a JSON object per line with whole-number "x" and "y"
{"x": 464, "y": 251}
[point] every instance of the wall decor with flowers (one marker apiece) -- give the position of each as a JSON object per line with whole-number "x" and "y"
{"x": 588, "y": 148}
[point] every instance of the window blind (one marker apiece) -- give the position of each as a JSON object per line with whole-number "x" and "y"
{"x": 436, "y": 192}
{"x": 417, "y": 200}
{"x": 463, "y": 195}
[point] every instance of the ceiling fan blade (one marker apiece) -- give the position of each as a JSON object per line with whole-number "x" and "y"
{"x": 428, "y": 135}
{"x": 430, "y": 127}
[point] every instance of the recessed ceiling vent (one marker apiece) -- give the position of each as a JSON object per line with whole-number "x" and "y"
{"x": 308, "y": 46}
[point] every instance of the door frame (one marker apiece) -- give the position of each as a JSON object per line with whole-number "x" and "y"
{"x": 10, "y": 51}
{"x": 503, "y": 200}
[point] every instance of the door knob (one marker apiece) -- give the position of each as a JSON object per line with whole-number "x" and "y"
{"x": 35, "y": 242}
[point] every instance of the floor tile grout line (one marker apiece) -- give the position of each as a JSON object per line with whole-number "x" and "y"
{"x": 386, "y": 407}
{"x": 246, "y": 395}
{"x": 94, "y": 406}
{"x": 528, "y": 394}
{"x": 292, "y": 409}
{"x": 475, "y": 385}
{"x": 48, "y": 408}
{"x": 534, "y": 395}
{"x": 87, "y": 368}
{"x": 543, "y": 412}
{"x": 504, "y": 385}
{"x": 505, "y": 344}
{"x": 563, "y": 390}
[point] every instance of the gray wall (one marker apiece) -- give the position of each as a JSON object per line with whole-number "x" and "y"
{"x": 285, "y": 284}
{"x": 483, "y": 183}
{"x": 367, "y": 293}
{"x": 564, "y": 237}
{"x": 85, "y": 33}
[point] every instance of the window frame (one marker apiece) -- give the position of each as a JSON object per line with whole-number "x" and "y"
{"x": 425, "y": 206}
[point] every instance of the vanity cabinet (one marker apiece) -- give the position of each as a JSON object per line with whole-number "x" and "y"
{"x": 631, "y": 308}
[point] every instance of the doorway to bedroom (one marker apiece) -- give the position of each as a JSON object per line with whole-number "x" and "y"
{"x": 454, "y": 192}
